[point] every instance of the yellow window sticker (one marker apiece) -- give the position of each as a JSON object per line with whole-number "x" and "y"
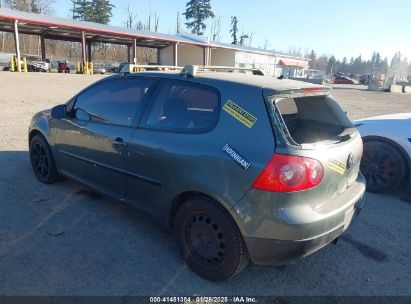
{"x": 337, "y": 166}
{"x": 239, "y": 113}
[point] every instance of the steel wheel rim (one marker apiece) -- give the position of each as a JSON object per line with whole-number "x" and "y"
{"x": 380, "y": 168}
{"x": 39, "y": 160}
{"x": 205, "y": 240}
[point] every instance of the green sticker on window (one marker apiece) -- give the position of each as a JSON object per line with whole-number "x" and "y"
{"x": 239, "y": 113}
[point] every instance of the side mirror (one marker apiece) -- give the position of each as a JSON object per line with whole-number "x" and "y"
{"x": 58, "y": 111}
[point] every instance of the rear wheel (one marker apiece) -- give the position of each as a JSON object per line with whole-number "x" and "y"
{"x": 42, "y": 161}
{"x": 383, "y": 166}
{"x": 209, "y": 239}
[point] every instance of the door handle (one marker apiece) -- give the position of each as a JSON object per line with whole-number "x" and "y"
{"x": 118, "y": 143}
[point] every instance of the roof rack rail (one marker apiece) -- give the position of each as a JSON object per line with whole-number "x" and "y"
{"x": 134, "y": 68}
{"x": 191, "y": 70}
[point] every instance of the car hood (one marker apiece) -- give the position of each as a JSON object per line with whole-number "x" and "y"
{"x": 398, "y": 116}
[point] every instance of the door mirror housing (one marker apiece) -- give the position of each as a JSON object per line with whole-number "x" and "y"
{"x": 58, "y": 111}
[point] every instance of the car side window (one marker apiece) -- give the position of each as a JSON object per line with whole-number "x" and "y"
{"x": 113, "y": 102}
{"x": 182, "y": 106}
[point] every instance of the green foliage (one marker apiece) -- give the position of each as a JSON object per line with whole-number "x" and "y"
{"x": 234, "y": 29}
{"x": 92, "y": 10}
{"x": 24, "y": 5}
{"x": 198, "y": 11}
{"x": 358, "y": 65}
{"x": 243, "y": 38}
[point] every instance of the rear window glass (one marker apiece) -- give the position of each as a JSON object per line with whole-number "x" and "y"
{"x": 312, "y": 119}
{"x": 182, "y": 106}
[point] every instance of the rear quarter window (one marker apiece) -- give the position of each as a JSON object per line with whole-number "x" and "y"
{"x": 182, "y": 106}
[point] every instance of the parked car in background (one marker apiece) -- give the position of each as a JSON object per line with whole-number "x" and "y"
{"x": 99, "y": 68}
{"x": 236, "y": 166}
{"x": 344, "y": 80}
{"x": 386, "y": 160}
{"x": 36, "y": 64}
{"x": 63, "y": 66}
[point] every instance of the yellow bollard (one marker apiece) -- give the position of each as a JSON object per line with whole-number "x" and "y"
{"x": 90, "y": 68}
{"x": 18, "y": 65}
{"x": 25, "y": 64}
{"x": 85, "y": 67}
{"x": 78, "y": 67}
{"x": 12, "y": 66}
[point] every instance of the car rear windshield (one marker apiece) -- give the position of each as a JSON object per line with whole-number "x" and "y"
{"x": 310, "y": 119}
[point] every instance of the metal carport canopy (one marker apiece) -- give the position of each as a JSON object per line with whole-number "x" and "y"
{"x": 70, "y": 30}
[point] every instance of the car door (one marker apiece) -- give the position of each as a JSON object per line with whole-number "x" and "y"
{"x": 92, "y": 142}
{"x": 174, "y": 130}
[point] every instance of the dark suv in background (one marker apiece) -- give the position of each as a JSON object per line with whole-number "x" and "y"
{"x": 237, "y": 166}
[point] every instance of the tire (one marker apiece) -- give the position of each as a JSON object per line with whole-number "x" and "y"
{"x": 383, "y": 166}
{"x": 42, "y": 161}
{"x": 209, "y": 239}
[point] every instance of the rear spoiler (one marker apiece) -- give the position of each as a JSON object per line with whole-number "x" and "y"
{"x": 315, "y": 91}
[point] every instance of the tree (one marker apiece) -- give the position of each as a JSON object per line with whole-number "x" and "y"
{"x": 92, "y": 10}
{"x": 321, "y": 63}
{"x": 101, "y": 11}
{"x": 250, "y": 39}
{"x": 312, "y": 58}
{"x": 81, "y": 10}
{"x": 215, "y": 30}
{"x": 178, "y": 23}
{"x": 33, "y": 6}
{"x": 243, "y": 37}
{"x": 234, "y": 29}
{"x": 198, "y": 11}
{"x": 331, "y": 65}
{"x": 130, "y": 18}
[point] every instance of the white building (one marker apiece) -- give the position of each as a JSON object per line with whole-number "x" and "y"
{"x": 222, "y": 54}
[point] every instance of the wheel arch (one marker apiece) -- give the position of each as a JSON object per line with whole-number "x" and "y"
{"x": 35, "y": 132}
{"x": 396, "y": 146}
{"x": 181, "y": 198}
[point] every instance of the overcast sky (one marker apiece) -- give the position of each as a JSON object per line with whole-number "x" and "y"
{"x": 341, "y": 28}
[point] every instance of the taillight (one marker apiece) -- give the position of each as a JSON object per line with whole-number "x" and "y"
{"x": 289, "y": 173}
{"x": 313, "y": 90}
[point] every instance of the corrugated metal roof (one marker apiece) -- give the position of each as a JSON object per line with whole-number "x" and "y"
{"x": 109, "y": 30}
{"x": 94, "y": 27}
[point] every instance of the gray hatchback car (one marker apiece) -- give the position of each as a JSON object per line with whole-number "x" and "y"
{"x": 237, "y": 166}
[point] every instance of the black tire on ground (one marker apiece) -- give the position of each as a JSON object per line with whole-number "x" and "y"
{"x": 209, "y": 239}
{"x": 42, "y": 161}
{"x": 383, "y": 166}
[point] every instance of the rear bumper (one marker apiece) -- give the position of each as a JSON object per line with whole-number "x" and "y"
{"x": 279, "y": 252}
{"x": 278, "y": 232}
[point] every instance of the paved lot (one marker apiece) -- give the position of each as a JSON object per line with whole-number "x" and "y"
{"x": 64, "y": 240}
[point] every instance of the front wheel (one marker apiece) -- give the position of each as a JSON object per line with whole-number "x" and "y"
{"x": 42, "y": 161}
{"x": 209, "y": 239}
{"x": 383, "y": 166}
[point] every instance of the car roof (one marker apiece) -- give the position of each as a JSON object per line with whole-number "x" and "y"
{"x": 218, "y": 78}
{"x": 387, "y": 117}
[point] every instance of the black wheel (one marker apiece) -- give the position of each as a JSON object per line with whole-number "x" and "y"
{"x": 383, "y": 166}
{"x": 209, "y": 239}
{"x": 42, "y": 161}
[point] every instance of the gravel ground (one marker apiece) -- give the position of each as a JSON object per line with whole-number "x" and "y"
{"x": 62, "y": 239}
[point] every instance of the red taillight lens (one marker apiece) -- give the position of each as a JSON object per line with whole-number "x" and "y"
{"x": 313, "y": 90}
{"x": 288, "y": 173}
